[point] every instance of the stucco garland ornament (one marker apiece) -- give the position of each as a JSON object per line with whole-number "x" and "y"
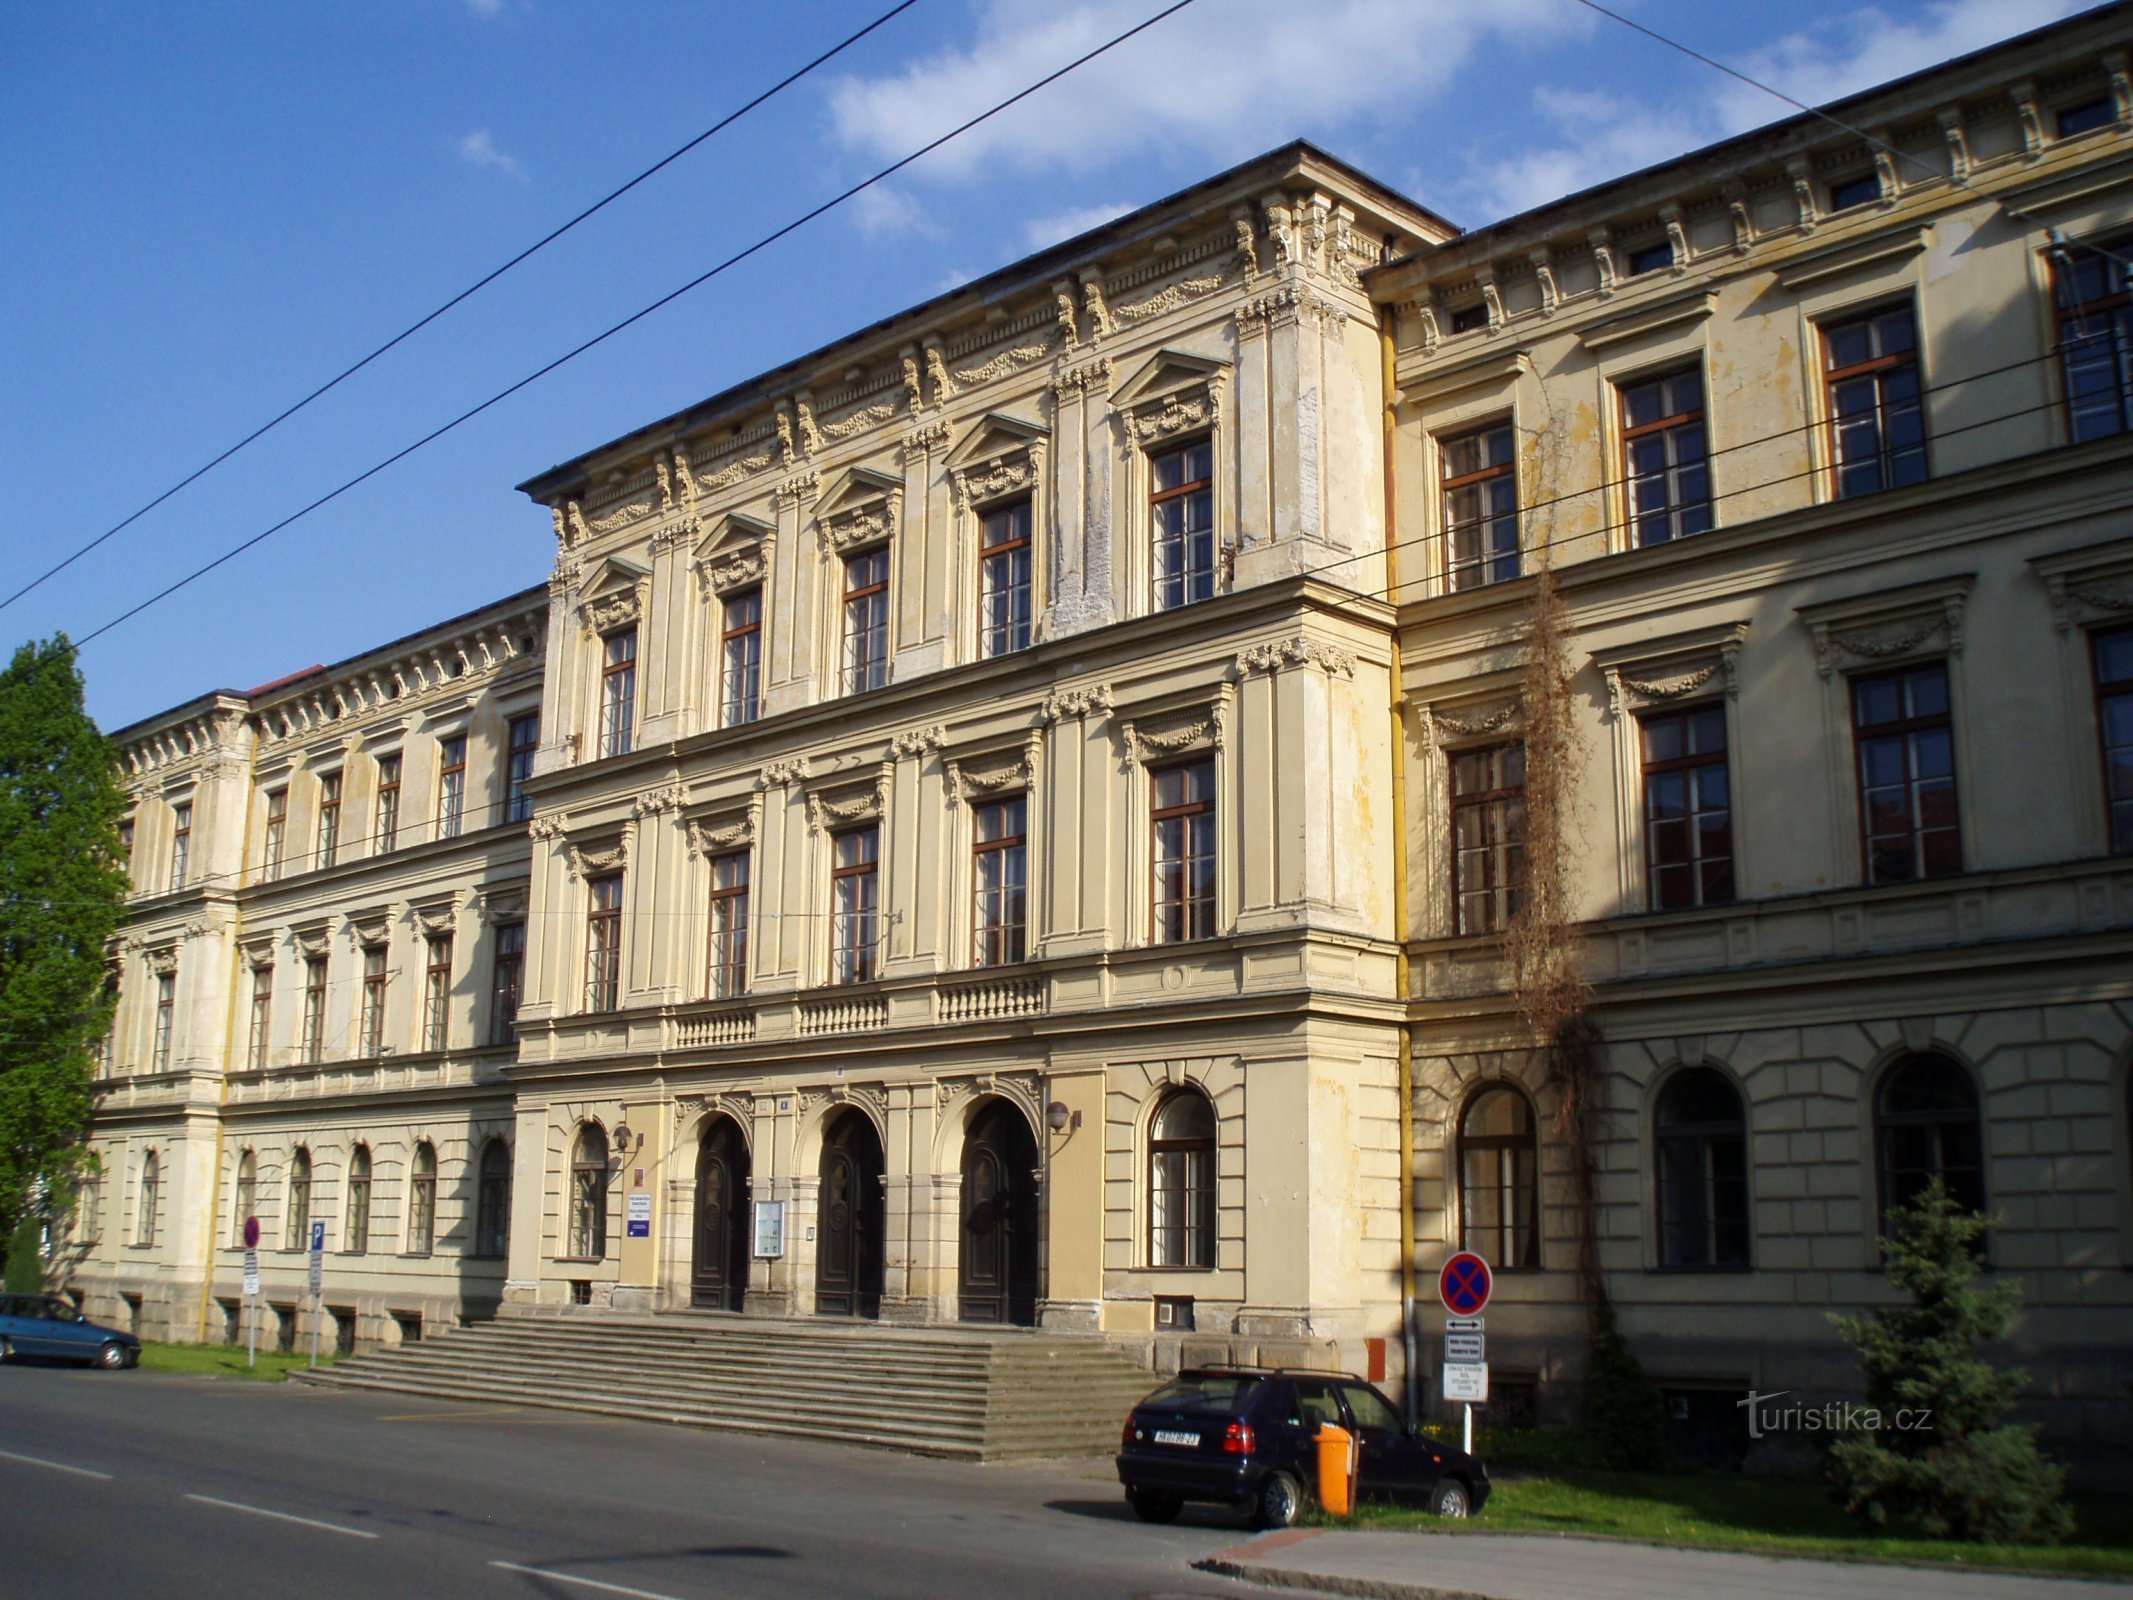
{"x": 1672, "y": 688}
{"x": 1468, "y": 727}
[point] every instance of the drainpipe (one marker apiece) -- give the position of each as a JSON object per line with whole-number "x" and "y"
{"x": 1396, "y": 722}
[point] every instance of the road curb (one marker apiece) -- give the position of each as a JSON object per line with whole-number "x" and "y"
{"x": 1237, "y": 1562}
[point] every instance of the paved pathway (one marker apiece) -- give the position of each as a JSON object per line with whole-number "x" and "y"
{"x": 1425, "y": 1566}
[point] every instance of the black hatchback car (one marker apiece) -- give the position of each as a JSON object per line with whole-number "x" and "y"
{"x": 1247, "y": 1437}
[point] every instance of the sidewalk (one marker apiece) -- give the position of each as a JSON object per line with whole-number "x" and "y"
{"x": 1440, "y": 1566}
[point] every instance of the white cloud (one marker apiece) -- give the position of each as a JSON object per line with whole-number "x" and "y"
{"x": 887, "y": 212}
{"x": 1041, "y": 231}
{"x": 1220, "y": 81}
{"x": 479, "y": 150}
{"x": 1593, "y": 137}
{"x": 485, "y": 8}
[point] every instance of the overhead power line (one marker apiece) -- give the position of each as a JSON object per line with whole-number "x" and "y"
{"x": 469, "y": 291}
{"x": 636, "y": 317}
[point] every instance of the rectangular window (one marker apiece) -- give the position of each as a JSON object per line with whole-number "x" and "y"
{"x": 1181, "y": 519}
{"x": 1480, "y": 506}
{"x": 1000, "y": 870}
{"x": 1906, "y": 745}
{"x": 1665, "y": 457}
{"x": 387, "y": 832}
{"x": 1466, "y": 319}
{"x": 451, "y": 785}
{"x": 1003, "y": 579}
{"x": 181, "y": 843}
{"x": 329, "y": 820}
{"x": 1649, "y": 258}
{"x": 1488, "y": 835}
{"x": 866, "y": 620}
{"x": 2090, "y": 287}
{"x": 315, "y": 1008}
{"x": 1877, "y": 430}
{"x": 262, "y": 1016}
{"x": 618, "y": 694}
{"x": 507, "y": 983}
{"x": 740, "y": 658}
{"x": 523, "y": 738}
{"x": 371, "y": 1027}
{"x": 1863, "y": 189}
{"x": 1182, "y": 816}
{"x": 728, "y": 975}
{"x": 166, "y": 1020}
{"x": 603, "y": 943}
{"x": 1688, "y": 808}
{"x": 2100, "y": 112}
{"x": 277, "y": 836}
{"x": 437, "y": 993}
{"x": 2114, "y": 718}
{"x": 854, "y": 906}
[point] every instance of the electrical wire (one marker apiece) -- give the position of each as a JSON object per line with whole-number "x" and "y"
{"x": 472, "y": 289}
{"x": 636, "y": 317}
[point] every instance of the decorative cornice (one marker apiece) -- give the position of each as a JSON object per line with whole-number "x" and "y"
{"x": 1092, "y": 701}
{"x": 917, "y": 742}
{"x": 670, "y": 797}
{"x": 1297, "y": 652}
{"x": 777, "y": 774}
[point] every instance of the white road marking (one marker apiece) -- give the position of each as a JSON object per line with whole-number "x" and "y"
{"x": 282, "y": 1516}
{"x": 56, "y": 1466}
{"x": 583, "y": 1583}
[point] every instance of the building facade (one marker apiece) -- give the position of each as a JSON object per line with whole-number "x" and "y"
{"x": 986, "y": 820}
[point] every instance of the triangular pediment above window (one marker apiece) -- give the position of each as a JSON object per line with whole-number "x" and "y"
{"x": 613, "y": 593}
{"x": 1000, "y": 456}
{"x": 734, "y": 554}
{"x": 1173, "y": 393}
{"x": 862, "y": 507}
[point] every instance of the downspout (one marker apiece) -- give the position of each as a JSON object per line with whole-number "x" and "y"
{"x": 1397, "y": 726}
{"x": 229, "y": 1049}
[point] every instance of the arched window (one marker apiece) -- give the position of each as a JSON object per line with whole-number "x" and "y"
{"x": 492, "y": 1201}
{"x": 588, "y": 1195}
{"x": 296, "y": 1235}
{"x": 1499, "y": 1179}
{"x": 358, "y": 1239}
{"x": 1701, "y": 1143}
{"x": 245, "y": 1196}
{"x": 422, "y": 1200}
{"x": 1926, "y": 1127}
{"x": 144, "y": 1222}
{"x": 1181, "y": 1182}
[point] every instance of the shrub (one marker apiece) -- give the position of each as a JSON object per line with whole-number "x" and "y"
{"x": 25, "y": 1263}
{"x": 1624, "y": 1421}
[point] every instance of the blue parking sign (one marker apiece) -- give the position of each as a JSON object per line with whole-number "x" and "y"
{"x": 318, "y": 1238}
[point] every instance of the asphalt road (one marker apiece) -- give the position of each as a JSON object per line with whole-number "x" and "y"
{"x": 128, "y": 1484}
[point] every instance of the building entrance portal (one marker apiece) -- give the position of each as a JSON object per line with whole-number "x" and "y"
{"x": 720, "y": 1278}
{"x": 848, "y": 1234}
{"x": 998, "y": 1280}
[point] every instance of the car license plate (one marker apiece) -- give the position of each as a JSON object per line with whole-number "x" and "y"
{"x": 1172, "y": 1436}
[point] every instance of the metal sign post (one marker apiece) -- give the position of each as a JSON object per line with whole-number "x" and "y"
{"x": 318, "y": 1282}
{"x": 1464, "y": 1286}
{"x": 251, "y": 1291}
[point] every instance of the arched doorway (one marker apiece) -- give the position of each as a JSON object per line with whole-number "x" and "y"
{"x": 720, "y": 1277}
{"x": 848, "y": 1231}
{"x": 998, "y": 1277}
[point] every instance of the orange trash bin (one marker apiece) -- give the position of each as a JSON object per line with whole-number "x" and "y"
{"x": 1336, "y": 1469}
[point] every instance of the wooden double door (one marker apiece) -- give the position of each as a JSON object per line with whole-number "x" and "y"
{"x": 719, "y": 1281}
{"x": 997, "y": 1281}
{"x": 849, "y": 1220}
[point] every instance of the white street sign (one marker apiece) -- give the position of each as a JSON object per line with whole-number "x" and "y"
{"x": 1463, "y": 1324}
{"x": 1466, "y": 1381}
{"x": 1465, "y": 1349}
{"x": 251, "y": 1272}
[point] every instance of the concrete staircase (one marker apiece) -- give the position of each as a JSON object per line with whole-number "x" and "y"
{"x": 976, "y": 1395}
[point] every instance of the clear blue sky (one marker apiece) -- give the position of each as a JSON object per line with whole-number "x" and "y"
{"x": 209, "y": 208}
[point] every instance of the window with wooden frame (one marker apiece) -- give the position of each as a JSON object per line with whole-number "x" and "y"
{"x": 2093, "y": 293}
{"x": 1905, "y": 742}
{"x": 866, "y": 620}
{"x": 1488, "y": 794}
{"x": 1665, "y": 453}
{"x": 166, "y": 1021}
{"x": 1004, "y": 578}
{"x": 1877, "y": 428}
{"x": 244, "y": 1196}
{"x": 437, "y": 992}
{"x": 1926, "y": 1126}
{"x": 355, "y": 1238}
{"x": 1478, "y": 505}
{"x": 181, "y": 843}
{"x": 522, "y": 739}
{"x": 740, "y": 658}
{"x": 1182, "y": 824}
{"x": 1700, "y": 1176}
{"x": 855, "y": 886}
{"x": 262, "y": 1020}
{"x": 506, "y": 982}
{"x": 276, "y": 837}
{"x": 618, "y": 693}
{"x": 296, "y": 1211}
{"x": 386, "y": 833}
{"x": 1499, "y": 1179}
{"x": 422, "y": 1200}
{"x": 314, "y": 1040}
{"x": 588, "y": 1195}
{"x": 1000, "y": 879}
{"x": 329, "y": 820}
{"x": 370, "y": 1029}
{"x": 1688, "y": 807}
{"x": 451, "y": 786}
{"x": 727, "y": 973}
{"x": 1181, "y": 1182}
{"x": 1181, "y": 522}
{"x": 2112, "y": 655}
{"x": 603, "y": 943}
{"x": 492, "y": 1202}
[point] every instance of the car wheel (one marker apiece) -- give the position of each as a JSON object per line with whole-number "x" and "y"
{"x": 7, "y": 1350}
{"x": 112, "y": 1356}
{"x": 1151, "y": 1506}
{"x": 1450, "y": 1499}
{"x": 1279, "y": 1501}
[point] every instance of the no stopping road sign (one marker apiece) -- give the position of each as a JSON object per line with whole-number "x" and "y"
{"x": 1464, "y": 1284}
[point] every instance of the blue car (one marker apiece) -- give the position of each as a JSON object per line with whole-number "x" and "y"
{"x": 48, "y": 1328}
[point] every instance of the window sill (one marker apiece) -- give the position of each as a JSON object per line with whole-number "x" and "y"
{"x": 578, "y": 1261}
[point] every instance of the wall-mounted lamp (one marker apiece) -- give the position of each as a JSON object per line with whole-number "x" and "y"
{"x": 1059, "y": 1119}
{"x": 623, "y": 1135}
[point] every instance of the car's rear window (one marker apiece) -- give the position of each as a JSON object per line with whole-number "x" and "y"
{"x": 1217, "y": 1392}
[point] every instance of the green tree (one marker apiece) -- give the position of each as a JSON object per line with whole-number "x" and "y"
{"x": 25, "y": 1265}
{"x": 62, "y": 892}
{"x": 1940, "y": 1459}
